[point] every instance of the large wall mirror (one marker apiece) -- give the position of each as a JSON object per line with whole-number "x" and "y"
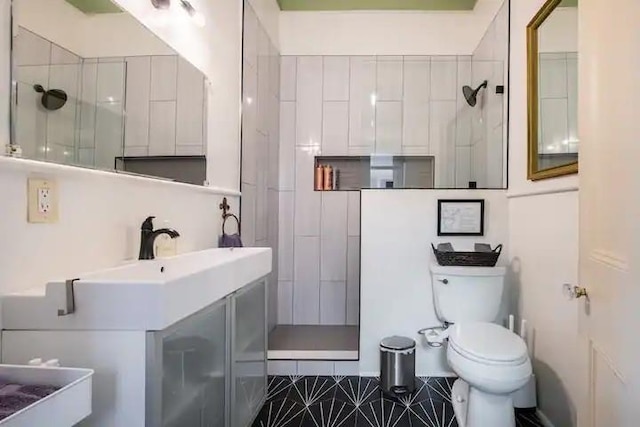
{"x": 93, "y": 87}
{"x": 553, "y": 90}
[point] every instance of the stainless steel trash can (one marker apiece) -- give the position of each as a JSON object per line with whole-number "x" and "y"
{"x": 398, "y": 365}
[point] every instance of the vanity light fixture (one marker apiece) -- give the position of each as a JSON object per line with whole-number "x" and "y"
{"x": 161, "y": 4}
{"x": 198, "y": 18}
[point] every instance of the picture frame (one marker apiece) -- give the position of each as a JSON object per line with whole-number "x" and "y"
{"x": 460, "y": 217}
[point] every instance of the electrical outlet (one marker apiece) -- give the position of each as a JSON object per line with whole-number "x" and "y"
{"x": 42, "y": 201}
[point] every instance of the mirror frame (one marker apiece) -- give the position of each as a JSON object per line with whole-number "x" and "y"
{"x": 533, "y": 173}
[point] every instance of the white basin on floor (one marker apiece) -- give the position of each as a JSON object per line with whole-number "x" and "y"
{"x": 143, "y": 296}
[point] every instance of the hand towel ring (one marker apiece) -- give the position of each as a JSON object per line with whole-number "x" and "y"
{"x": 224, "y": 222}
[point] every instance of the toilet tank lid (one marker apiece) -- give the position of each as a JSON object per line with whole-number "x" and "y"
{"x": 468, "y": 271}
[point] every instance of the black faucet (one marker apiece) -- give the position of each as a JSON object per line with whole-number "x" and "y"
{"x": 148, "y": 237}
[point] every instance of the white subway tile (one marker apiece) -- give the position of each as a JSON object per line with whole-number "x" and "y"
{"x": 333, "y": 263}
{"x": 263, "y": 84}
{"x": 442, "y": 133}
{"x": 287, "y": 145}
{"x": 261, "y": 187}
{"x": 309, "y": 101}
{"x": 136, "y": 151}
{"x": 249, "y": 124}
{"x": 162, "y": 132}
{"x": 288, "y": 65}
{"x": 109, "y": 143}
{"x": 285, "y": 239}
{"x": 553, "y": 78}
{"x": 389, "y": 127}
{"x": 250, "y": 35}
{"x": 282, "y": 367}
{"x": 347, "y": 368}
{"x": 88, "y": 105}
{"x": 444, "y": 79}
{"x": 336, "y": 78}
{"x": 190, "y": 150}
{"x": 137, "y": 101}
{"x": 415, "y": 124}
{"x": 335, "y": 128}
{"x": 60, "y": 56}
{"x": 164, "y": 78}
{"x": 354, "y": 213}
{"x": 555, "y": 127}
{"x": 315, "y": 368}
{"x": 306, "y": 287}
{"x": 110, "y": 82}
{"x": 248, "y": 214}
{"x": 353, "y": 281}
{"x": 463, "y": 167}
{"x": 285, "y": 303}
{"x": 333, "y": 296}
{"x": 86, "y": 156}
{"x": 31, "y": 49}
{"x": 191, "y": 105}
{"x": 363, "y": 99}
{"x": 308, "y": 202}
{"x": 389, "y": 78}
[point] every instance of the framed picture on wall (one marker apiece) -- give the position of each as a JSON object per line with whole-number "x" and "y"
{"x": 461, "y": 217}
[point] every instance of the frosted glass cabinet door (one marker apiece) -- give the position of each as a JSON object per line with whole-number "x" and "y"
{"x": 249, "y": 369}
{"x": 186, "y": 371}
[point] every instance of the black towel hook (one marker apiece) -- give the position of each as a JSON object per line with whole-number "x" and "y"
{"x": 224, "y": 206}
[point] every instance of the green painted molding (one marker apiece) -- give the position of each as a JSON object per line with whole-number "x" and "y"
{"x": 320, "y": 5}
{"x": 569, "y": 3}
{"x": 95, "y": 6}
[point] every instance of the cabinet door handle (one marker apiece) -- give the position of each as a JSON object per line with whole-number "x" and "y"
{"x": 445, "y": 281}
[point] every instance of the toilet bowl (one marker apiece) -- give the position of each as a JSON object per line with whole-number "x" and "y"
{"x": 492, "y": 363}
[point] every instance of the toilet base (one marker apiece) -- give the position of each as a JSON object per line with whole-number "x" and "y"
{"x": 474, "y": 408}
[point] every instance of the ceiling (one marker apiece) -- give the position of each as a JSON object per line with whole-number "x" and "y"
{"x": 377, "y": 4}
{"x": 95, "y": 6}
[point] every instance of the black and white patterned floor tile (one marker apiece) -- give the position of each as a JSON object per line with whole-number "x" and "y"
{"x": 356, "y": 401}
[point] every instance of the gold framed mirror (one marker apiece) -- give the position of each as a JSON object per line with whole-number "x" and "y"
{"x": 552, "y": 80}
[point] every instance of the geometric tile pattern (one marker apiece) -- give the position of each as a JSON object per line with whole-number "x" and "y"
{"x": 322, "y": 401}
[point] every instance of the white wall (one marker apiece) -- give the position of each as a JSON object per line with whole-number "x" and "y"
{"x": 100, "y": 218}
{"x": 385, "y": 33}
{"x": 396, "y": 295}
{"x": 543, "y": 245}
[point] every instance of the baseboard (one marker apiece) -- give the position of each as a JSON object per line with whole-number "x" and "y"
{"x": 543, "y": 419}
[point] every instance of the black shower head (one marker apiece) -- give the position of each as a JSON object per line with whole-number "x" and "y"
{"x": 471, "y": 95}
{"x": 52, "y": 99}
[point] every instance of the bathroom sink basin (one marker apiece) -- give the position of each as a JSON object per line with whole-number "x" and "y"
{"x": 143, "y": 296}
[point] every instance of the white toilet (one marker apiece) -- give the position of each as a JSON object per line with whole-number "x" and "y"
{"x": 490, "y": 361}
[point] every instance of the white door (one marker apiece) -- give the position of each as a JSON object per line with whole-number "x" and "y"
{"x": 609, "y": 116}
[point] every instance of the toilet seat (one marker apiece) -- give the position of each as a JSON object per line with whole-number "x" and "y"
{"x": 488, "y": 343}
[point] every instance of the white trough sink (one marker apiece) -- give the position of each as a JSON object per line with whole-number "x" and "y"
{"x": 63, "y": 408}
{"x": 144, "y": 296}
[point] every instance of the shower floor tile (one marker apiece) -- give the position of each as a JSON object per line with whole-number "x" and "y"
{"x": 322, "y": 401}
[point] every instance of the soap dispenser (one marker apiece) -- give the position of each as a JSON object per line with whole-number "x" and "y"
{"x": 165, "y": 246}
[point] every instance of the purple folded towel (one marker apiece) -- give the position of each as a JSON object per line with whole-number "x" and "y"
{"x": 230, "y": 241}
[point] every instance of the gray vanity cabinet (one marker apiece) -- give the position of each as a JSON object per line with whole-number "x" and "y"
{"x": 209, "y": 370}
{"x": 249, "y": 355}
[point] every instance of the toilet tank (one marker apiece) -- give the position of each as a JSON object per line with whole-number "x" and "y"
{"x": 462, "y": 294}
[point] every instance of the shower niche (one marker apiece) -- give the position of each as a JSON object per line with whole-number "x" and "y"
{"x": 353, "y": 173}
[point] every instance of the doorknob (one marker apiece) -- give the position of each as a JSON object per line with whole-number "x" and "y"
{"x": 573, "y": 292}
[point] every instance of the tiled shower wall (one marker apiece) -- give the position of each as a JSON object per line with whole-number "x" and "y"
{"x": 261, "y": 183}
{"x": 488, "y": 149}
{"x": 163, "y": 96}
{"x": 38, "y": 61}
{"x": 359, "y": 106}
{"x": 558, "y": 103}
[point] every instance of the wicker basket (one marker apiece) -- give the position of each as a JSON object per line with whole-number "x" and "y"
{"x": 468, "y": 259}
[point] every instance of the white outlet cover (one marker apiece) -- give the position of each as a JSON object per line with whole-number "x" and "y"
{"x": 42, "y": 200}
